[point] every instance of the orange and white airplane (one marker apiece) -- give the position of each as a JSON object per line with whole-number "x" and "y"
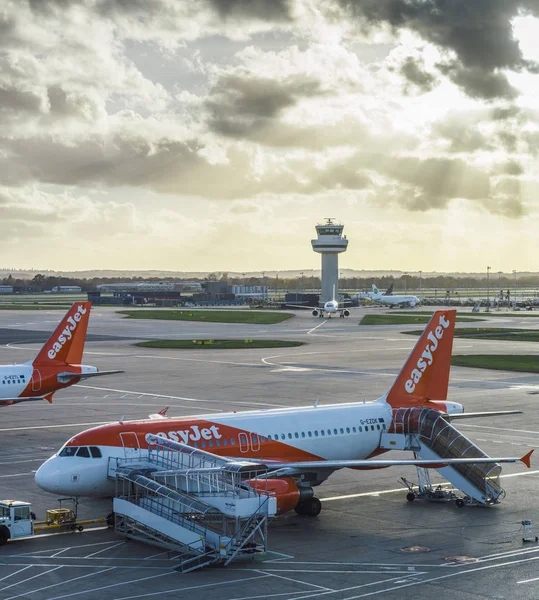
{"x": 300, "y": 446}
{"x": 55, "y": 367}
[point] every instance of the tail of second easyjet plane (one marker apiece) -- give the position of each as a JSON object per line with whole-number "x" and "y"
{"x": 425, "y": 375}
{"x": 66, "y": 344}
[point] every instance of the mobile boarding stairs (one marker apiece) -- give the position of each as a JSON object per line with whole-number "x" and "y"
{"x": 430, "y": 436}
{"x": 194, "y": 503}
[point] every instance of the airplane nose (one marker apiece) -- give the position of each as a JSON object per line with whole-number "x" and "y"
{"x": 47, "y": 477}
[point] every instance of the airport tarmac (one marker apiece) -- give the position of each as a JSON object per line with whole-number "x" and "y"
{"x": 368, "y": 541}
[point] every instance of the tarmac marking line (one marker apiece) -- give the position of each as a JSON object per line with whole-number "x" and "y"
{"x": 363, "y": 585}
{"x": 184, "y": 589}
{"x": 47, "y": 587}
{"x": 315, "y": 328}
{"x": 105, "y": 549}
{"x": 112, "y": 585}
{"x": 30, "y": 578}
{"x": 325, "y": 589}
{"x": 438, "y": 578}
{"x": 16, "y": 573}
{"x": 53, "y": 426}
{"x": 141, "y": 394}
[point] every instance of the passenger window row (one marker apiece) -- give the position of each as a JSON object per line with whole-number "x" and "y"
{"x": 81, "y": 451}
{"x": 326, "y": 432}
{"x": 21, "y": 379}
{"x": 283, "y": 436}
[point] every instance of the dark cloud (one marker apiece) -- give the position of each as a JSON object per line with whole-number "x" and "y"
{"x": 479, "y": 83}
{"x": 274, "y": 10}
{"x": 511, "y": 167}
{"x": 479, "y": 32}
{"x": 416, "y": 74}
{"x": 462, "y": 134}
{"x": 239, "y": 105}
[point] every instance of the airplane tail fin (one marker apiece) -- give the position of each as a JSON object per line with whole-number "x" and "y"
{"x": 425, "y": 375}
{"x": 66, "y": 344}
{"x": 333, "y": 293}
{"x": 375, "y": 289}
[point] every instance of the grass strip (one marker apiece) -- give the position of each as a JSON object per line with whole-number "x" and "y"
{"x": 403, "y": 319}
{"x": 492, "y": 333}
{"x": 210, "y": 316}
{"x": 218, "y": 344}
{"x": 34, "y": 307}
{"x": 524, "y": 362}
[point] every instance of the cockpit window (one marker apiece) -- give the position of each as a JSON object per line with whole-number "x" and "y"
{"x": 95, "y": 452}
{"x": 83, "y": 452}
{"x": 69, "y": 451}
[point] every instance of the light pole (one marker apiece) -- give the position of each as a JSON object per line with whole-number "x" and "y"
{"x": 489, "y": 269}
{"x": 515, "y": 292}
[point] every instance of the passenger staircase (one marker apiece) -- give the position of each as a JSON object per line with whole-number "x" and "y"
{"x": 426, "y": 432}
{"x": 192, "y": 502}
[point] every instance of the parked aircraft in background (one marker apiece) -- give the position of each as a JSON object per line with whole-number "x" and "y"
{"x": 55, "y": 367}
{"x": 302, "y": 447}
{"x": 390, "y": 300}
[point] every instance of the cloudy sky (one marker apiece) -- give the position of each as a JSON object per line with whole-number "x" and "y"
{"x": 214, "y": 134}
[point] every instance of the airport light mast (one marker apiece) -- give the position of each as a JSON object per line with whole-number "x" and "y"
{"x": 330, "y": 243}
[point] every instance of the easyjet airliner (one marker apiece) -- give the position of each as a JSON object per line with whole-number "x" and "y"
{"x": 301, "y": 446}
{"x": 55, "y": 367}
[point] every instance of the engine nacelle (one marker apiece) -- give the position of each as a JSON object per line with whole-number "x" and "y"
{"x": 346, "y": 313}
{"x": 315, "y": 313}
{"x": 412, "y": 304}
{"x": 287, "y": 492}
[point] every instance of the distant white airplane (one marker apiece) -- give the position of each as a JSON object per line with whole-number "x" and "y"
{"x": 331, "y": 307}
{"x": 391, "y": 300}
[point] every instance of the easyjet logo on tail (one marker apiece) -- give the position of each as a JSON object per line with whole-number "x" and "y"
{"x": 427, "y": 357}
{"x": 67, "y": 333}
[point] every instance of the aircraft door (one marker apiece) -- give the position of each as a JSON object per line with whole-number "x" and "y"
{"x": 130, "y": 443}
{"x": 36, "y": 380}
{"x": 255, "y": 442}
{"x": 244, "y": 442}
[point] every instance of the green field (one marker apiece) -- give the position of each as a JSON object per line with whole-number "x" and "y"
{"x": 34, "y": 306}
{"x": 525, "y": 362}
{"x": 492, "y": 333}
{"x": 210, "y": 316}
{"x": 403, "y": 319}
{"x": 218, "y": 344}
{"x": 481, "y": 315}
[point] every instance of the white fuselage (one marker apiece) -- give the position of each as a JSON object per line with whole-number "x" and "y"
{"x": 396, "y": 300}
{"x": 334, "y": 432}
{"x": 14, "y": 379}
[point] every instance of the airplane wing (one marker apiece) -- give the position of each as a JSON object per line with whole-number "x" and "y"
{"x": 475, "y": 415}
{"x": 65, "y": 377}
{"x": 283, "y": 468}
{"x": 435, "y": 464}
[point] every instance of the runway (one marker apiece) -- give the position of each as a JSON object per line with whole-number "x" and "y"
{"x": 368, "y": 541}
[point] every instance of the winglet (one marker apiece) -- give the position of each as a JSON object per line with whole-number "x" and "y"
{"x": 526, "y": 458}
{"x": 48, "y": 397}
{"x": 163, "y": 412}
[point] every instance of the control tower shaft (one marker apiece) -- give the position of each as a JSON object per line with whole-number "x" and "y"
{"x": 330, "y": 243}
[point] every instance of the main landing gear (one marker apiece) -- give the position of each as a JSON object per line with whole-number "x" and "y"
{"x": 310, "y": 507}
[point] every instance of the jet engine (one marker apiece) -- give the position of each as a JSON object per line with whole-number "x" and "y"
{"x": 346, "y": 313}
{"x": 315, "y": 313}
{"x": 289, "y": 495}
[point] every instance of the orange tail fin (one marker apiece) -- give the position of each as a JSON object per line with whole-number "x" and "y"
{"x": 66, "y": 344}
{"x": 425, "y": 375}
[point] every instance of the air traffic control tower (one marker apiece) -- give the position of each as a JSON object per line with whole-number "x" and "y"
{"x": 330, "y": 243}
